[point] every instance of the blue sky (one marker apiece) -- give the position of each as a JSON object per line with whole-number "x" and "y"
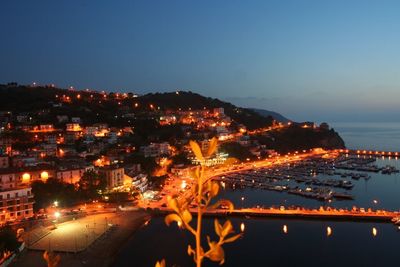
{"x": 310, "y": 60}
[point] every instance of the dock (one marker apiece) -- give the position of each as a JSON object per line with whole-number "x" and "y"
{"x": 329, "y": 214}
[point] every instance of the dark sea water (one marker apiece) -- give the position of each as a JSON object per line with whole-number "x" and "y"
{"x": 371, "y": 136}
{"x": 306, "y": 243}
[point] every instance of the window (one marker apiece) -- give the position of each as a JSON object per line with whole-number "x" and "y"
{"x": 27, "y": 212}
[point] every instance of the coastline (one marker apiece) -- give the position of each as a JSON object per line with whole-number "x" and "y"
{"x": 101, "y": 253}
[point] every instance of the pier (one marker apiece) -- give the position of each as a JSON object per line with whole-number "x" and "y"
{"x": 300, "y": 213}
{"x": 369, "y": 152}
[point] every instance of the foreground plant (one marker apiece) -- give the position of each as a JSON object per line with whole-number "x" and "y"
{"x": 202, "y": 194}
{"x": 51, "y": 259}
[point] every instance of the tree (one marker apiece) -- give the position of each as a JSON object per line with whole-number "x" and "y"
{"x": 91, "y": 182}
{"x": 8, "y": 240}
{"x": 237, "y": 151}
{"x": 45, "y": 193}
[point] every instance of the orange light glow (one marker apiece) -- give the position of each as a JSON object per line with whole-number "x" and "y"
{"x": 44, "y": 175}
{"x": 374, "y": 231}
{"x": 26, "y": 177}
{"x": 328, "y": 231}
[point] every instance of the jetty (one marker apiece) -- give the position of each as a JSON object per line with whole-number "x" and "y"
{"x": 356, "y": 214}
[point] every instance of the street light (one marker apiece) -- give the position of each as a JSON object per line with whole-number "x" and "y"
{"x": 55, "y": 203}
{"x": 57, "y": 215}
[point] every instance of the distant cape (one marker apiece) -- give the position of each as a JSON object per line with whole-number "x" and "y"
{"x": 278, "y": 117}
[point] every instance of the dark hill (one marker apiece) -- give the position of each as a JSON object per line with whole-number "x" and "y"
{"x": 190, "y": 100}
{"x": 95, "y": 107}
{"x": 266, "y": 113}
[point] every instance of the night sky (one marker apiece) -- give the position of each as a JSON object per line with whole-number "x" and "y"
{"x": 309, "y": 60}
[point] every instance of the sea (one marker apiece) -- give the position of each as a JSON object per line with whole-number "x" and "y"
{"x": 293, "y": 242}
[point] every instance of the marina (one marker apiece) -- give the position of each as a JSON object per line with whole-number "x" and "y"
{"x": 318, "y": 177}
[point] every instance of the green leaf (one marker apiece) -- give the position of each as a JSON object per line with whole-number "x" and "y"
{"x": 196, "y": 150}
{"x": 195, "y": 189}
{"x": 214, "y": 189}
{"x": 222, "y": 202}
{"x": 173, "y": 218}
{"x": 216, "y": 252}
{"x": 190, "y": 251}
{"x": 195, "y": 174}
{"x": 212, "y": 146}
{"x": 218, "y": 227}
{"x": 160, "y": 263}
{"x": 232, "y": 238}
{"x": 227, "y": 228}
{"x": 173, "y": 204}
{"x": 186, "y": 216}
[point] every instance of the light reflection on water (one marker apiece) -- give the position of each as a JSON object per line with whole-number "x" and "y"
{"x": 379, "y": 192}
{"x": 285, "y": 242}
{"x": 268, "y": 242}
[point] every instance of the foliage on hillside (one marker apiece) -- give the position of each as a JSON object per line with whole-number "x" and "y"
{"x": 298, "y": 138}
{"x": 93, "y": 107}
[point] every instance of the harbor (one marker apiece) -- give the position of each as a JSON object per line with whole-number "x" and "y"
{"x": 320, "y": 177}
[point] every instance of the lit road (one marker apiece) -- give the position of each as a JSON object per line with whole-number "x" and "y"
{"x": 181, "y": 186}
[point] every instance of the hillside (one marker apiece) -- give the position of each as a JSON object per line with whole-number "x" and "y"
{"x": 193, "y": 101}
{"x": 94, "y": 107}
{"x": 46, "y": 104}
{"x": 266, "y": 113}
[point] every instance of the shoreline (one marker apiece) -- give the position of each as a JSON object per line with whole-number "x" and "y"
{"x": 102, "y": 252}
{"x": 123, "y": 243}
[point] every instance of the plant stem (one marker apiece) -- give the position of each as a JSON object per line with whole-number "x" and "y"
{"x": 199, "y": 257}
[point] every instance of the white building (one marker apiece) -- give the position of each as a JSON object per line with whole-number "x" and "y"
{"x": 16, "y": 204}
{"x": 114, "y": 176}
{"x": 156, "y": 149}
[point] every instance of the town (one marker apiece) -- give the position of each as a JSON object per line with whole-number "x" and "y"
{"x": 66, "y": 154}
{"x": 97, "y": 158}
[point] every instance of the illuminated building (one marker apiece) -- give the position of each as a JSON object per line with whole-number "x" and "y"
{"x": 70, "y": 175}
{"x": 15, "y": 204}
{"x": 167, "y": 120}
{"x": 156, "y": 149}
{"x": 218, "y": 159}
{"x": 73, "y": 127}
{"x": 114, "y": 176}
